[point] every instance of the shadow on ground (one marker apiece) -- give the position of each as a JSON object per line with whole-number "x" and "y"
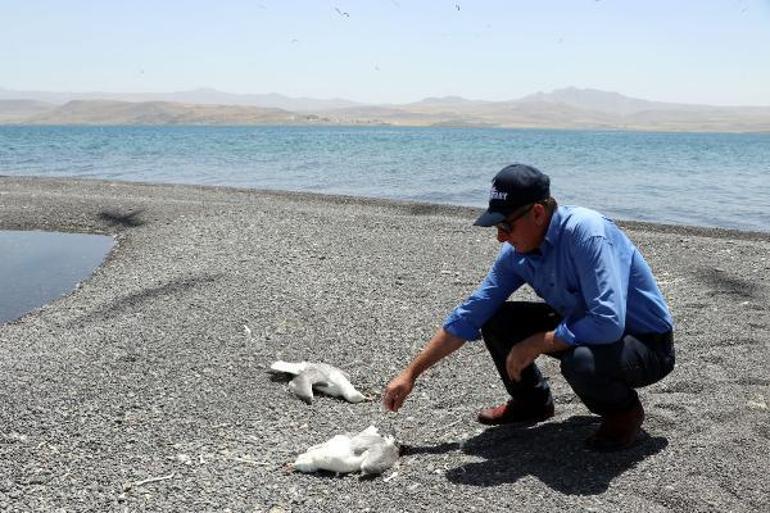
{"x": 128, "y": 219}
{"x": 721, "y": 282}
{"x": 136, "y": 300}
{"x": 552, "y": 452}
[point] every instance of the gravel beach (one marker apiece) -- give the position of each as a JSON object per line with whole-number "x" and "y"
{"x": 144, "y": 391}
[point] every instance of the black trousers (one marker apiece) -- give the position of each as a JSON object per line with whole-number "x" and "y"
{"x": 603, "y": 376}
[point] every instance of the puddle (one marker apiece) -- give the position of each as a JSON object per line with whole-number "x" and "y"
{"x": 38, "y": 267}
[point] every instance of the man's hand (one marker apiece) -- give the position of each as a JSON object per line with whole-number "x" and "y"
{"x": 396, "y": 391}
{"x": 442, "y": 344}
{"x": 520, "y": 357}
{"x": 527, "y": 351}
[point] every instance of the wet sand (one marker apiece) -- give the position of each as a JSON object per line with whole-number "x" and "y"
{"x": 146, "y": 372}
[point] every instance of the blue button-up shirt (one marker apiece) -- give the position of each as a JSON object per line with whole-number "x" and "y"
{"x": 587, "y": 270}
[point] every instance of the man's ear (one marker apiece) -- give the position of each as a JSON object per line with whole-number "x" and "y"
{"x": 540, "y": 214}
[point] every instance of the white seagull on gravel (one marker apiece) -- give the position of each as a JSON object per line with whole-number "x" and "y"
{"x": 367, "y": 452}
{"x": 326, "y": 378}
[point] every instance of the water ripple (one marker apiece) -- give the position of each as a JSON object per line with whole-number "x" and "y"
{"x": 706, "y": 179}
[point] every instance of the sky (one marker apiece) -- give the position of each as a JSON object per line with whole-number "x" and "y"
{"x": 392, "y": 51}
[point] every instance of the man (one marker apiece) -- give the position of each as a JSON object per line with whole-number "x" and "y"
{"x": 604, "y": 317}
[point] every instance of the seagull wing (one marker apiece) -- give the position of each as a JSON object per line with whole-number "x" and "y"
{"x": 339, "y": 384}
{"x": 289, "y": 367}
{"x": 308, "y": 379}
{"x": 335, "y": 455}
{"x": 380, "y": 457}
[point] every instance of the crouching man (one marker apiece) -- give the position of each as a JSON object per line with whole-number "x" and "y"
{"x": 604, "y": 316}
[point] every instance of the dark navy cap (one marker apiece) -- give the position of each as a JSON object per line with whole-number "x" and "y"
{"x": 512, "y": 188}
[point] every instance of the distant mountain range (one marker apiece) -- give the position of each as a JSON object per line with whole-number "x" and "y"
{"x": 196, "y": 96}
{"x": 563, "y": 108}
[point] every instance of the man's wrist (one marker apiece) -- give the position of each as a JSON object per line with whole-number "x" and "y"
{"x": 552, "y": 343}
{"x": 537, "y": 344}
{"x": 411, "y": 372}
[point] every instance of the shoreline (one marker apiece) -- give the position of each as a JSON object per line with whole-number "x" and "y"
{"x": 157, "y": 365}
{"x": 416, "y": 207}
{"x": 652, "y": 130}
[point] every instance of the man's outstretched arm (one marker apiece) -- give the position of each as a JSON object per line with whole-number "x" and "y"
{"x": 442, "y": 344}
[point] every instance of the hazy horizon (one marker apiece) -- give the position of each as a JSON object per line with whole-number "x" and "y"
{"x": 391, "y": 51}
{"x": 415, "y": 100}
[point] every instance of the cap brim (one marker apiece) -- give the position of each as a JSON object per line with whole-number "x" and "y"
{"x": 489, "y": 218}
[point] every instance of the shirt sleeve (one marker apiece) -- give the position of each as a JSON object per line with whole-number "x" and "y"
{"x": 466, "y": 320}
{"x": 603, "y": 292}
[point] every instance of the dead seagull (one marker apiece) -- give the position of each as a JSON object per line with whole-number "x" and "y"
{"x": 367, "y": 452}
{"x": 325, "y": 378}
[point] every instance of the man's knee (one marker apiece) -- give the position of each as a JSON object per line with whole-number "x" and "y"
{"x": 578, "y": 365}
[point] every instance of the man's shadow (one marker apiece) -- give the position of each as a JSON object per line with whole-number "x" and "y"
{"x": 552, "y": 452}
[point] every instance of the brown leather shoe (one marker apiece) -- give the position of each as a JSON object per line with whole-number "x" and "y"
{"x": 513, "y": 412}
{"x": 617, "y": 431}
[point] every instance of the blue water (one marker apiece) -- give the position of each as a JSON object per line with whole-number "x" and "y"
{"x": 37, "y": 267}
{"x": 718, "y": 180}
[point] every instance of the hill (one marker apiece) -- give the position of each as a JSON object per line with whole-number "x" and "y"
{"x": 202, "y": 96}
{"x": 105, "y": 112}
{"x": 569, "y": 108}
{"x": 17, "y": 110}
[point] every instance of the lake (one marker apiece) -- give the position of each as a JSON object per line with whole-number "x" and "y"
{"x": 708, "y": 179}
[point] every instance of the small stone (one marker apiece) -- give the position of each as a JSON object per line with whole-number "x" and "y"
{"x": 16, "y": 437}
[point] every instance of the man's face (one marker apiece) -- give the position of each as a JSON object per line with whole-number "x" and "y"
{"x": 527, "y": 230}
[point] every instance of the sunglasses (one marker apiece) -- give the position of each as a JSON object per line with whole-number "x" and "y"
{"x": 507, "y": 225}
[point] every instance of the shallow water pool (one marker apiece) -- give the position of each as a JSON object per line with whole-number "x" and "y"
{"x": 38, "y": 267}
